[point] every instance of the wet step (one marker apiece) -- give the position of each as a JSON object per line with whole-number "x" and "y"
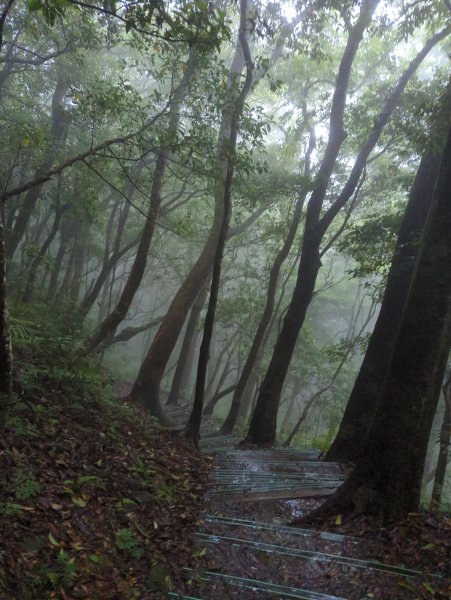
{"x": 280, "y": 529}
{"x": 308, "y": 555}
{"x": 212, "y": 584}
{"x": 287, "y": 466}
{"x": 262, "y": 455}
{"x": 311, "y": 571}
{"x": 250, "y": 485}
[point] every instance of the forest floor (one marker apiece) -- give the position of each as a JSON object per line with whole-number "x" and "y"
{"x": 97, "y": 502}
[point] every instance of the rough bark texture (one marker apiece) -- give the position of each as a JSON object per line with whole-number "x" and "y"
{"x": 364, "y": 397}
{"x": 387, "y": 479}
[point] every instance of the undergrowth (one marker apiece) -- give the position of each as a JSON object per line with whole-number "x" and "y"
{"x": 96, "y": 501}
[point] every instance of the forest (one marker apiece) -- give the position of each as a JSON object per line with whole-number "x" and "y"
{"x": 225, "y": 299}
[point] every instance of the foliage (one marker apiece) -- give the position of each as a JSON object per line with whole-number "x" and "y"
{"x": 126, "y": 540}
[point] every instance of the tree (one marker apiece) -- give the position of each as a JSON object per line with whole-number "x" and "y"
{"x": 6, "y": 380}
{"x": 364, "y": 397}
{"x": 147, "y": 384}
{"x": 262, "y": 429}
{"x": 387, "y": 478}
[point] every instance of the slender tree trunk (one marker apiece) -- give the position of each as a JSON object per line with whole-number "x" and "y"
{"x": 58, "y": 132}
{"x": 147, "y": 384}
{"x": 208, "y": 410}
{"x": 365, "y": 394}
{"x": 6, "y": 380}
{"x": 234, "y": 106}
{"x": 109, "y": 325}
{"x": 264, "y": 422}
{"x": 387, "y": 479}
{"x": 182, "y": 363}
{"x": 29, "y": 288}
{"x": 63, "y": 293}
{"x": 230, "y": 420}
{"x": 444, "y": 442}
{"x": 65, "y": 236}
{"x": 79, "y": 256}
{"x": 294, "y": 395}
{"x": 313, "y": 399}
{"x": 110, "y": 260}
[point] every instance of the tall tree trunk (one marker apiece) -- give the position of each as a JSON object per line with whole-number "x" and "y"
{"x": 264, "y": 421}
{"x": 262, "y": 429}
{"x": 109, "y": 325}
{"x": 387, "y": 479}
{"x": 147, "y": 384}
{"x": 58, "y": 133}
{"x": 233, "y": 105}
{"x": 230, "y": 420}
{"x": 6, "y": 380}
{"x": 154, "y": 364}
{"x": 182, "y": 363}
{"x": 365, "y": 394}
{"x": 36, "y": 262}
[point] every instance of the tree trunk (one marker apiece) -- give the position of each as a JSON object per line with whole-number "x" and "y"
{"x": 444, "y": 441}
{"x": 387, "y": 479}
{"x": 58, "y": 132}
{"x": 264, "y": 422}
{"x": 109, "y": 325}
{"x": 182, "y": 363}
{"x": 230, "y": 420}
{"x": 147, "y": 384}
{"x": 36, "y": 263}
{"x": 262, "y": 430}
{"x": 110, "y": 260}
{"x": 364, "y": 397}
{"x": 233, "y": 106}
{"x": 6, "y": 380}
{"x": 79, "y": 257}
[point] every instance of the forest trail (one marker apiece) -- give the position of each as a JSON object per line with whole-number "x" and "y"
{"x": 248, "y": 550}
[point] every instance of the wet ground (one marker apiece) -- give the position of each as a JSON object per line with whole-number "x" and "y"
{"x": 247, "y": 549}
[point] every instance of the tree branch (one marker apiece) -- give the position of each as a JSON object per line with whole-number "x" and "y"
{"x": 78, "y": 158}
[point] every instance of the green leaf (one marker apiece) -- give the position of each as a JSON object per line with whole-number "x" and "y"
{"x": 94, "y": 558}
{"x": 52, "y": 540}
{"x": 34, "y": 5}
{"x": 79, "y": 502}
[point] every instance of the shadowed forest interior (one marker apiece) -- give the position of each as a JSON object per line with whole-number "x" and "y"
{"x": 225, "y": 299}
